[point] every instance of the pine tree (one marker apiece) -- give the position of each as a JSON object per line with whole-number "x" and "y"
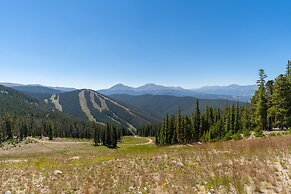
{"x": 179, "y": 129}
{"x": 288, "y": 70}
{"x": 270, "y": 113}
{"x": 108, "y": 136}
{"x": 114, "y": 137}
{"x": 172, "y": 130}
{"x": 96, "y": 136}
{"x": 158, "y": 142}
{"x": 261, "y": 106}
{"x": 232, "y": 119}
{"x": 167, "y": 130}
{"x": 50, "y": 131}
{"x": 9, "y": 125}
{"x": 226, "y": 118}
{"x": 188, "y": 130}
{"x": 197, "y": 123}
{"x": 280, "y": 104}
{"x": 237, "y": 123}
{"x": 288, "y": 76}
{"x": 245, "y": 120}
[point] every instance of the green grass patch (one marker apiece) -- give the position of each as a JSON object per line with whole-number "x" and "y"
{"x": 134, "y": 140}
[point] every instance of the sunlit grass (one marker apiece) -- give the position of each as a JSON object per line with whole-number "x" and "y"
{"x": 244, "y": 166}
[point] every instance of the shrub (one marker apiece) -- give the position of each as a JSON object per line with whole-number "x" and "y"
{"x": 227, "y": 136}
{"x": 258, "y": 132}
{"x": 237, "y": 136}
{"x": 246, "y": 132}
{"x": 272, "y": 134}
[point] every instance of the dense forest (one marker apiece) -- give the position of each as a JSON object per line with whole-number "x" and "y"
{"x": 270, "y": 108}
{"x": 22, "y": 116}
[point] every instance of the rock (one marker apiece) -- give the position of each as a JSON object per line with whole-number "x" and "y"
{"x": 8, "y": 192}
{"x": 75, "y": 158}
{"x": 57, "y": 172}
{"x": 130, "y": 188}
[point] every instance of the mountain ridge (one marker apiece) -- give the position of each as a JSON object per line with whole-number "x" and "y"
{"x": 160, "y": 105}
{"x": 230, "y": 92}
{"x": 91, "y": 105}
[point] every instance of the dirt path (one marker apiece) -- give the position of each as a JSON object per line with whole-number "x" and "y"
{"x": 59, "y": 142}
{"x": 150, "y": 141}
{"x": 45, "y": 142}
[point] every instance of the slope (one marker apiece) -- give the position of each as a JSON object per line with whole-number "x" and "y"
{"x": 159, "y": 105}
{"x": 96, "y": 107}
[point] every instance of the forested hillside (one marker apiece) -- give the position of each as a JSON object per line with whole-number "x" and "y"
{"x": 93, "y": 106}
{"x": 270, "y": 109}
{"x": 22, "y": 116}
{"x": 160, "y": 105}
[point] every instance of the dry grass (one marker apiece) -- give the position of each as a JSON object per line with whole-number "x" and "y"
{"x": 247, "y": 166}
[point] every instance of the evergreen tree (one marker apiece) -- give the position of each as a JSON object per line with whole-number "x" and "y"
{"x": 288, "y": 70}
{"x": 280, "y": 104}
{"x": 261, "y": 106}
{"x": 270, "y": 113}
{"x": 50, "y": 131}
{"x": 232, "y": 119}
{"x": 246, "y": 120}
{"x": 114, "y": 137}
{"x": 96, "y": 136}
{"x": 197, "y": 123}
{"x": 226, "y": 119}
{"x": 188, "y": 130}
{"x": 237, "y": 123}
{"x": 173, "y": 132}
{"x": 179, "y": 128}
{"x": 288, "y": 76}
{"x": 9, "y": 125}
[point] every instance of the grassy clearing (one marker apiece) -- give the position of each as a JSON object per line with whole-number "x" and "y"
{"x": 246, "y": 166}
{"x": 133, "y": 140}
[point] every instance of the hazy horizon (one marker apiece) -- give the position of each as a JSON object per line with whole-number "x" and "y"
{"x": 61, "y": 86}
{"x": 97, "y": 44}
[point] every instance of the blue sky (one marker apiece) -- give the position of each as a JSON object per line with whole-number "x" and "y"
{"x": 96, "y": 44}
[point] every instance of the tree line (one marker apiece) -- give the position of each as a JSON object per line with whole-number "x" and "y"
{"x": 17, "y": 127}
{"x": 270, "y": 108}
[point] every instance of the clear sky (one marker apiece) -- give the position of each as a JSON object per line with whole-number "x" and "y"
{"x": 189, "y": 43}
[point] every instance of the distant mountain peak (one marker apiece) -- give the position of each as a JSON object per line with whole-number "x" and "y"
{"x": 207, "y": 92}
{"x": 121, "y": 87}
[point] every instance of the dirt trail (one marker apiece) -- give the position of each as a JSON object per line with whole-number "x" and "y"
{"x": 59, "y": 142}
{"x": 150, "y": 141}
{"x": 45, "y": 142}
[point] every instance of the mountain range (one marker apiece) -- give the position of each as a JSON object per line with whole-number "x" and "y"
{"x": 36, "y": 88}
{"x": 127, "y": 106}
{"x": 231, "y": 92}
